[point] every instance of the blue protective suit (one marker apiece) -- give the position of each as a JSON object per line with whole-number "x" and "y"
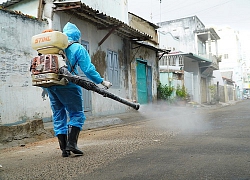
{"x": 68, "y": 98}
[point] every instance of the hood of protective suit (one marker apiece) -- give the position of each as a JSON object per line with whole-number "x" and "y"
{"x": 72, "y": 32}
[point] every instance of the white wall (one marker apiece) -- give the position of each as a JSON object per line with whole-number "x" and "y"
{"x": 189, "y": 83}
{"x": 168, "y": 41}
{"x": 19, "y": 100}
{"x": 29, "y": 7}
{"x": 193, "y": 67}
{"x": 218, "y": 78}
{"x": 113, "y": 8}
{"x": 230, "y": 44}
{"x": 184, "y": 30}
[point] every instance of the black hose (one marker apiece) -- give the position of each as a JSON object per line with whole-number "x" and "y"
{"x": 64, "y": 73}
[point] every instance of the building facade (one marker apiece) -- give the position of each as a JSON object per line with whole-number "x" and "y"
{"x": 194, "y": 54}
{"x": 123, "y": 55}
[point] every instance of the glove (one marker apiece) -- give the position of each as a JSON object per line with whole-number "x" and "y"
{"x": 106, "y": 84}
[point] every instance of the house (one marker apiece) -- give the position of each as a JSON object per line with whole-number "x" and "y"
{"x": 122, "y": 54}
{"x": 192, "y": 54}
{"x": 230, "y": 50}
{"x": 147, "y": 57}
{"x": 229, "y": 86}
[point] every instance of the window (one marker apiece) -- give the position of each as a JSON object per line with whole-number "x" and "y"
{"x": 113, "y": 68}
{"x": 85, "y": 45}
{"x": 225, "y": 56}
{"x": 171, "y": 60}
{"x": 181, "y": 63}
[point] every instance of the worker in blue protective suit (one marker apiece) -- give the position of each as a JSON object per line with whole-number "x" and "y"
{"x": 68, "y": 98}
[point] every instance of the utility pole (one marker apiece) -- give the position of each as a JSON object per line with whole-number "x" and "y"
{"x": 160, "y": 11}
{"x": 40, "y": 10}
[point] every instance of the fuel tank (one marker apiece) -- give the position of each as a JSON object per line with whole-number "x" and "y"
{"x": 49, "y": 42}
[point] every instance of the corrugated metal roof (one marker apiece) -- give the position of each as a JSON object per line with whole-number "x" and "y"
{"x": 190, "y": 55}
{"x": 101, "y": 20}
{"x": 152, "y": 24}
{"x": 142, "y": 43}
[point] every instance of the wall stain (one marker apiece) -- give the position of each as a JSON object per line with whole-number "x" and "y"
{"x": 121, "y": 58}
{"x": 123, "y": 68}
{"x": 98, "y": 59}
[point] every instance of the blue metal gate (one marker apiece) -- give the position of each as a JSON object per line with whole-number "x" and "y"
{"x": 142, "y": 92}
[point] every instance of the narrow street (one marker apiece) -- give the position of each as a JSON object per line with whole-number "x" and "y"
{"x": 173, "y": 143}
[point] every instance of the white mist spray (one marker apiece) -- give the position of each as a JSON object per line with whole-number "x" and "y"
{"x": 182, "y": 119}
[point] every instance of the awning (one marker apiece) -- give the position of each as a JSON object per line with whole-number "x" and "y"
{"x": 206, "y": 66}
{"x": 191, "y": 56}
{"x": 197, "y": 58}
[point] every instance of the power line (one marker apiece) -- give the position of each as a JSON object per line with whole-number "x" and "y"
{"x": 196, "y": 3}
{"x": 213, "y": 7}
{"x": 236, "y": 21}
{"x": 180, "y": 7}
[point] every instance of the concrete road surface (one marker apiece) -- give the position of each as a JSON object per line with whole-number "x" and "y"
{"x": 174, "y": 143}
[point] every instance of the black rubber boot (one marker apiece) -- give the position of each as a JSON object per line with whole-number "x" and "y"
{"x": 73, "y": 133}
{"x": 62, "y": 139}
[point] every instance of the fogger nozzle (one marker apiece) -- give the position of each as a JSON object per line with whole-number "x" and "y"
{"x": 137, "y": 106}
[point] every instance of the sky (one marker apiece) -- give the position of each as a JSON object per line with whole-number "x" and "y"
{"x": 231, "y": 13}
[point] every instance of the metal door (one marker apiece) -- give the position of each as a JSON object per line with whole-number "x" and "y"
{"x": 141, "y": 82}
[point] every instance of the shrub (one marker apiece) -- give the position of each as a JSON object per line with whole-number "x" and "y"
{"x": 181, "y": 92}
{"x": 165, "y": 91}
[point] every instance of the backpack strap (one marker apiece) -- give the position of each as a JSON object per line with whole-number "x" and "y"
{"x": 72, "y": 43}
{"x": 72, "y": 67}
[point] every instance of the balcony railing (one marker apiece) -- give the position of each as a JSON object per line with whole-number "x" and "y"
{"x": 215, "y": 60}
